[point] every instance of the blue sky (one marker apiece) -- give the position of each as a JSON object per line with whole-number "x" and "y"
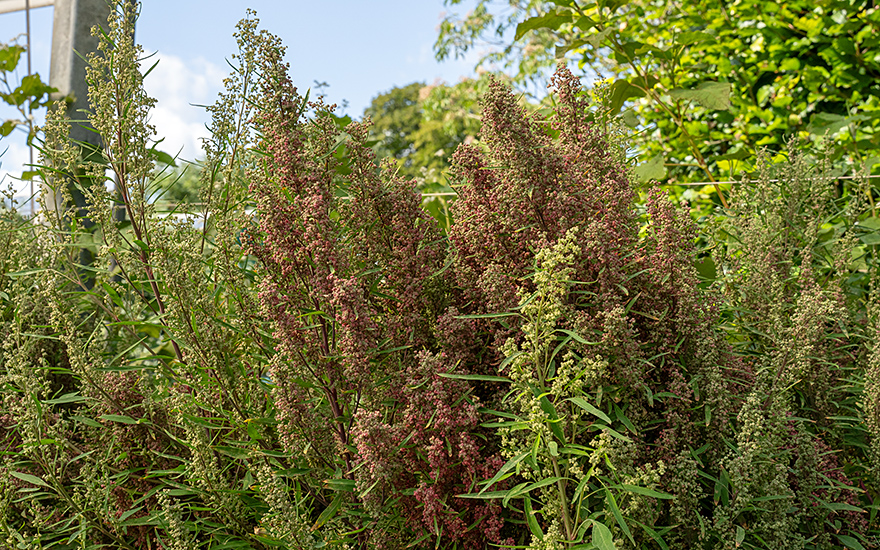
{"x": 359, "y": 48}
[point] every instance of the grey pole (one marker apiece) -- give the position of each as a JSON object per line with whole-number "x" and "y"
{"x": 72, "y": 34}
{"x": 71, "y": 41}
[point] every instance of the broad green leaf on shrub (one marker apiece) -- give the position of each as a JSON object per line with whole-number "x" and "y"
{"x": 551, "y": 20}
{"x": 9, "y": 57}
{"x": 7, "y": 127}
{"x": 622, "y": 90}
{"x": 651, "y": 169}
{"x": 872, "y": 235}
{"x": 711, "y": 95}
{"x": 832, "y": 123}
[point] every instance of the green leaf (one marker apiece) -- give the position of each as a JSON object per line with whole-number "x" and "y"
{"x": 722, "y": 491}
{"x": 7, "y": 127}
{"x": 612, "y": 503}
{"x": 506, "y": 468}
{"x": 582, "y": 403}
{"x": 562, "y": 50}
{"x": 711, "y": 95}
{"x": 534, "y": 526}
{"x": 118, "y": 418}
{"x": 9, "y": 56}
{"x": 693, "y": 37}
{"x": 620, "y": 91}
{"x": 831, "y": 123}
{"x": 340, "y": 484}
{"x": 850, "y": 542}
{"x": 329, "y": 512}
{"x": 577, "y": 337}
{"x": 163, "y": 157}
{"x": 841, "y": 506}
{"x": 484, "y": 496}
{"x": 30, "y": 479}
{"x": 66, "y": 398}
{"x": 612, "y": 5}
{"x": 86, "y": 421}
{"x": 629, "y": 118}
{"x": 129, "y": 513}
{"x": 551, "y": 20}
{"x": 483, "y": 377}
{"x": 872, "y": 236}
{"x": 791, "y": 64}
{"x": 623, "y": 419}
{"x": 706, "y": 268}
{"x": 596, "y": 40}
{"x": 653, "y": 534}
{"x": 547, "y": 407}
{"x": 14, "y": 274}
{"x": 645, "y": 491}
{"x": 513, "y": 493}
{"x": 652, "y": 169}
{"x": 542, "y": 483}
{"x": 234, "y": 452}
{"x": 602, "y": 538}
{"x": 740, "y": 535}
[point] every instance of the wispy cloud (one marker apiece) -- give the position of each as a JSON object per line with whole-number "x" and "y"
{"x": 179, "y": 86}
{"x": 13, "y": 160}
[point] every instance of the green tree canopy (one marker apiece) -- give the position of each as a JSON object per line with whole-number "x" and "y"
{"x": 709, "y": 83}
{"x": 421, "y": 126}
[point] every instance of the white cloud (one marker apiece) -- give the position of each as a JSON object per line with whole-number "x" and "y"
{"x": 178, "y": 86}
{"x": 14, "y": 159}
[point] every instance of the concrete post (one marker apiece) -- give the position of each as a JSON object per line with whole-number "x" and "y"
{"x": 72, "y": 34}
{"x": 72, "y": 40}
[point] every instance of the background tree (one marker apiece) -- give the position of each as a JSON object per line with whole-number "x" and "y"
{"x": 24, "y": 95}
{"x": 421, "y": 126}
{"x": 714, "y": 82}
{"x": 177, "y": 182}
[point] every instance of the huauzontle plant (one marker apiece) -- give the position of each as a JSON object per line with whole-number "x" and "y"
{"x": 309, "y": 361}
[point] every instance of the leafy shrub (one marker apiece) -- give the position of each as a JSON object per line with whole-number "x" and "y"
{"x": 315, "y": 363}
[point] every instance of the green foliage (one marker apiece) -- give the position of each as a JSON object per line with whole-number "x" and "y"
{"x": 713, "y": 83}
{"x": 30, "y": 93}
{"x": 421, "y": 125}
{"x": 177, "y": 183}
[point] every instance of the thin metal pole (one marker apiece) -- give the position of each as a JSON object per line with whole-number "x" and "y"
{"x": 27, "y": 23}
